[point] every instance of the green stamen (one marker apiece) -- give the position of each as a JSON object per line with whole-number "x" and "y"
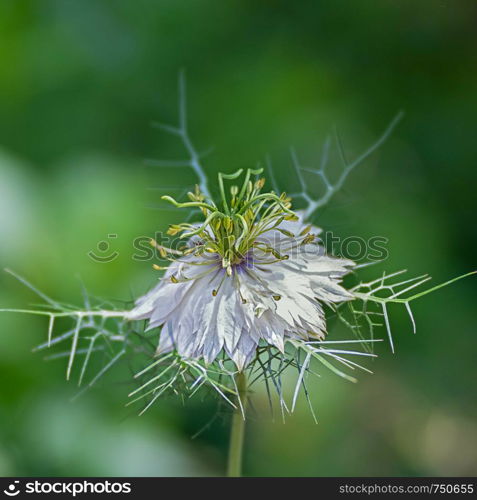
{"x": 246, "y": 215}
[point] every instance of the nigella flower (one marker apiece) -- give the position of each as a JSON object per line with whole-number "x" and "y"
{"x": 252, "y": 272}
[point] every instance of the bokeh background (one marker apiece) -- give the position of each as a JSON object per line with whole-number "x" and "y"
{"x": 80, "y": 83}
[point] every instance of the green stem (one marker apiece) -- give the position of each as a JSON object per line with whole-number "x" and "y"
{"x": 234, "y": 464}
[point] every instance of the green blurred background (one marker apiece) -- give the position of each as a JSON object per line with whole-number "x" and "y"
{"x": 80, "y": 83}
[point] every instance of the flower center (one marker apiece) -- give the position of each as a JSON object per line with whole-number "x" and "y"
{"x": 232, "y": 228}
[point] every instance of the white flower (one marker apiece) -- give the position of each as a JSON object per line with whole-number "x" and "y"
{"x": 275, "y": 288}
